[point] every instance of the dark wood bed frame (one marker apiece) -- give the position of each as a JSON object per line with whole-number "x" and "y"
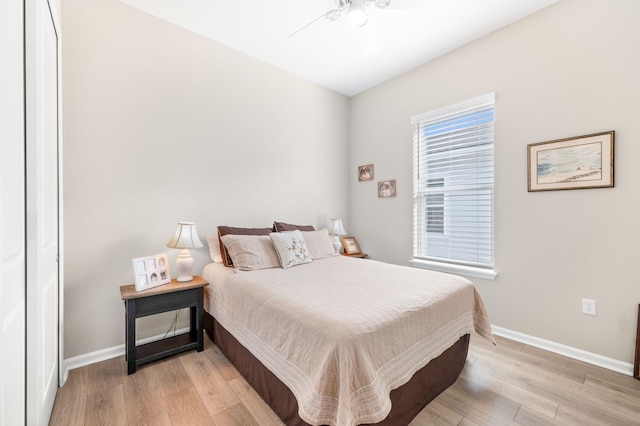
{"x": 407, "y": 400}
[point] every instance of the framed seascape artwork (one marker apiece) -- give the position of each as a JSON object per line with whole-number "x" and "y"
{"x": 365, "y": 173}
{"x": 151, "y": 271}
{"x": 350, "y": 245}
{"x": 387, "y": 188}
{"x": 573, "y": 163}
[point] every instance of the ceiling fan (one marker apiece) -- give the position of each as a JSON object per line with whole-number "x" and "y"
{"x": 354, "y": 9}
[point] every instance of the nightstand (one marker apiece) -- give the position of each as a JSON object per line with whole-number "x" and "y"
{"x": 359, "y": 255}
{"x": 636, "y": 362}
{"x": 169, "y": 297}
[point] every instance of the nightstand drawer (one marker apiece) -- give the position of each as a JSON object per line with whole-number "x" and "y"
{"x": 166, "y": 302}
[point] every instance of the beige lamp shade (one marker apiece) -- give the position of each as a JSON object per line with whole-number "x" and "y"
{"x": 336, "y": 228}
{"x": 186, "y": 236}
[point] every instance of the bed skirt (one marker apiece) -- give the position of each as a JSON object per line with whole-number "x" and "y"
{"x": 407, "y": 400}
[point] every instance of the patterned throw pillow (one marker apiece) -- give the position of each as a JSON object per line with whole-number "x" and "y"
{"x": 291, "y": 248}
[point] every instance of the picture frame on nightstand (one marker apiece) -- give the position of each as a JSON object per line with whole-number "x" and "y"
{"x": 350, "y": 245}
{"x": 151, "y": 271}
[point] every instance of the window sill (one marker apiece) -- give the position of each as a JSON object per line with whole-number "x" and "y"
{"x": 470, "y": 271}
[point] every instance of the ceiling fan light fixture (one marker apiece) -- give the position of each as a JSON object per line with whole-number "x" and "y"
{"x": 356, "y": 15}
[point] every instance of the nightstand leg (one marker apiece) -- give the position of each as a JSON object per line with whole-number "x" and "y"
{"x": 193, "y": 332}
{"x": 126, "y": 333}
{"x": 199, "y": 314}
{"x": 131, "y": 335}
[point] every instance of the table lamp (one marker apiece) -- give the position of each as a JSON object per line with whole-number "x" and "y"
{"x": 335, "y": 230}
{"x": 186, "y": 237}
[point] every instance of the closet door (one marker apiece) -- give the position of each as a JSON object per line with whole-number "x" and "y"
{"x": 42, "y": 210}
{"x": 12, "y": 215}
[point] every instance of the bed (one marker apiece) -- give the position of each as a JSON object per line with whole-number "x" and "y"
{"x": 344, "y": 341}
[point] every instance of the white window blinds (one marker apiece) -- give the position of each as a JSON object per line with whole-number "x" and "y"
{"x": 453, "y": 184}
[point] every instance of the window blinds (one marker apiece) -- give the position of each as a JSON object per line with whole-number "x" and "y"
{"x": 453, "y": 184}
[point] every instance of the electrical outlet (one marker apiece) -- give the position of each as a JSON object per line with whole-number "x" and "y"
{"x": 588, "y": 306}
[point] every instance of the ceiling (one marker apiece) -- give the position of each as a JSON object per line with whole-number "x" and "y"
{"x": 336, "y": 54}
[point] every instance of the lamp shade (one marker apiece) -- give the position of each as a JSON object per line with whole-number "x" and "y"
{"x": 186, "y": 236}
{"x": 336, "y": 228}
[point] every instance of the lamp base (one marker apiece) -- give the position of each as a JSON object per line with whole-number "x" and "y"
{"x": 337, "y": 245}
{"x": 184, "y": 278}
{"x": 184, "y": 264}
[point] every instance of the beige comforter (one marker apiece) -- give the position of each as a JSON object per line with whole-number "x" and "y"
{"x": 342, "y": 333}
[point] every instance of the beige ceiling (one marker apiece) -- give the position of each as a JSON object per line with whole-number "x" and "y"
{"x": 336, "y": 54}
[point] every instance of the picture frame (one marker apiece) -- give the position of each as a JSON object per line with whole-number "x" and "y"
{"x": 387, "y": 188}
{"x": 151, "y": 271}
{"x": 573, "y": 163}
{"x": 365, "y": 173}
{"x": 350, "y": 245}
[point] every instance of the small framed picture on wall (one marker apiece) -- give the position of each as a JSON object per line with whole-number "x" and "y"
{"x": 387, "y": 188}
{"x": 365, "y": 173}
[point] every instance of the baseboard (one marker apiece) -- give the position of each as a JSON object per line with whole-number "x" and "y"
{"x": 104, "y": 354}
{"x": 568, "y": 351}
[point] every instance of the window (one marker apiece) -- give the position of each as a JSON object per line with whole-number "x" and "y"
{"x": 434, "y": 214}
{"x": 453, "y": 186}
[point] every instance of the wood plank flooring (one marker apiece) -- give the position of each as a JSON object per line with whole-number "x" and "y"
{"x": 507, "y": 384}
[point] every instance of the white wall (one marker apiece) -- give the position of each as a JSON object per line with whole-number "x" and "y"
{"x": 569, "y": 70}
{"x": 162, "y": 125}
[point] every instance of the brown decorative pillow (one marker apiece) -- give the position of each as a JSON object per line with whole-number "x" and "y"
{"x": 225, "y": 230}
{"x": 282, "y": 227}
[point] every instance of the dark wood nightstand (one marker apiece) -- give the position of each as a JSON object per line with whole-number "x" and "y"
{"x": 636, "y": 362}
{"x": 169, "y": 297}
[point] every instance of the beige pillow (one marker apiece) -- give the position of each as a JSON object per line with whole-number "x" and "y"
{"x": 224, "y": 230}
{"x": 251, "y": 252}
{"x": 291, "y": 248}
{"x": 214, "y": 248}
{"x": 318, "y": 243}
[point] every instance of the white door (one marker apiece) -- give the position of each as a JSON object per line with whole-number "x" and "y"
{"x": 42, "y": 210}
{"x": 12, "y": 215}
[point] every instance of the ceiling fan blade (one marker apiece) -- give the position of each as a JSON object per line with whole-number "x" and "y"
{"x": 402, "y": 4}
{"x": 308, "y": 24}
{"x": 331, "y": 15}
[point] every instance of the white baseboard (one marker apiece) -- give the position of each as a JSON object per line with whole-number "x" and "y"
{"x": 104, "y": 354}
{"x": 568, "y": 351}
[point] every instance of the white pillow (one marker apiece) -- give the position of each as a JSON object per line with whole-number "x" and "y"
{"x": 251, "y": 252}
{"x": 319, "y": 243}
{"x": 291, "y": 248}
{"x": 214, "y": 248}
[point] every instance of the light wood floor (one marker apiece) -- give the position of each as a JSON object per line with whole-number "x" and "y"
{"x": 508, "y": 384}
